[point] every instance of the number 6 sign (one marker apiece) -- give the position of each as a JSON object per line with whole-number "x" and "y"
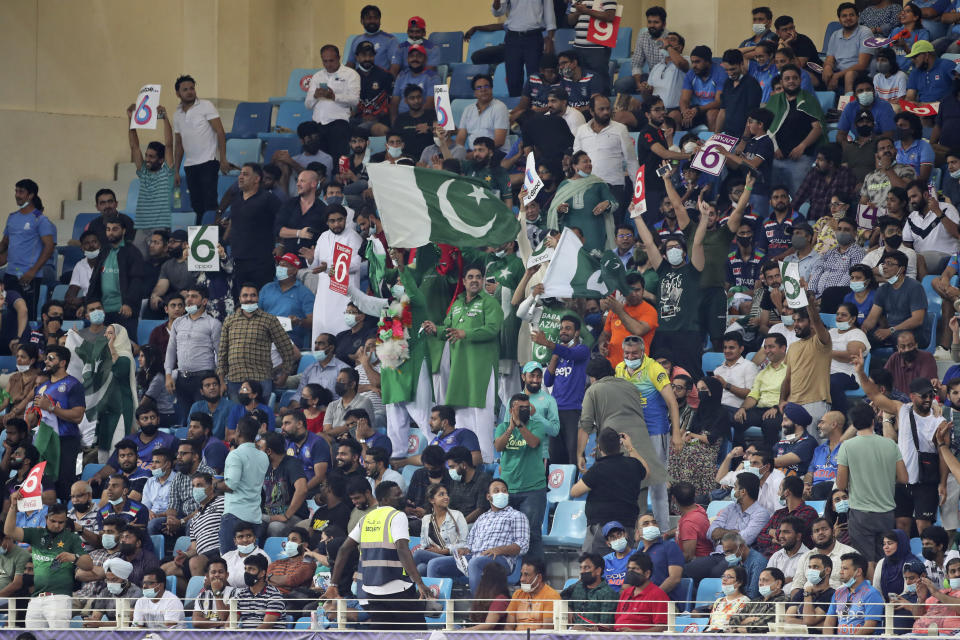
{"x": 340, "y": 279}
{"x": 31, "y": 488}
{"x": 710, "y": 160}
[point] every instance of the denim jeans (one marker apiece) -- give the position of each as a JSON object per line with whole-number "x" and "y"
{"x": 423, "y": 558}
{"x": 532, "y": 504}
{"x": 446, "y": 567}
{"x": 792, "y": 172}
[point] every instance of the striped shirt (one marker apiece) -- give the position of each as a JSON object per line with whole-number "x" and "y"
{"x": 254, "y": 607}
{"x": 583, "y": 25}
{"x": 181, "y": 492}
{"x": 153, "y": 202}
{"x": 206, "y": 602}
{"x": 205, "y": 526}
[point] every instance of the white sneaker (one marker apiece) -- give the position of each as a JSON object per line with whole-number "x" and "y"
{"x": 942, "y": 354}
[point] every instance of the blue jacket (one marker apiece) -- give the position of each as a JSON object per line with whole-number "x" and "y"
{"x": 569, "y": 382}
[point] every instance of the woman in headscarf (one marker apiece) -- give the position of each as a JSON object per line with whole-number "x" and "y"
{"x": 115, "y": 418}
{"x": 888, "y": 575}
{"x": 696, "y": 463}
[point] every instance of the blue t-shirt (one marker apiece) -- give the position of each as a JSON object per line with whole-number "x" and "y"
{"x": 663, "y": 555}
{"x": 705, "y": 89}
{"x": 66, "y": 393}
{"x": 920, "y": 152}
{"x": 295, "y": 301}
{"x": 219, "y": 415}
{"x": 313, "y": 451}
{"x": 383, "y": 45}
{"x": 764, "y": 76}
{"x": 24, "y": 232}
{"x": 215, "y": 454}
{"x": 579, "y": 91}
{"x": 933, "y": 84}
{"x": 615, "y": 570}
{"x": 863, "y": 309}
{"x": 536, "y": 89}
{"x": 854, "y": 609}
{"x": 400, "y": 53}
{"x": 145, "y": 451}
{"x": 425, "y": 80}
{"x": 458, "y": 438}
{"x": 882, "y": 117}
{"x": 803, "y": 447}
{"x": 824, "y": 463}
{"x": 381, "y": 441}
{"x": 238, "y": 411}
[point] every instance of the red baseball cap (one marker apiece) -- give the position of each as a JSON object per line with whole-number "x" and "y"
{"x": 416, "y": 47}
{"x": 290, "y": 259}
{"x": 416, "y": 21}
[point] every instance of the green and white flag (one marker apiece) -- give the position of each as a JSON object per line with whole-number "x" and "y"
{"x": 574, "y": 273}
{"x": 92, "y": 364}
{"x": 418, "y": 206}
{"x": 376, "y": 263}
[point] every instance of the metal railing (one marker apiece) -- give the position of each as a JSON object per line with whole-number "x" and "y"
{"x": 558, "y": 616}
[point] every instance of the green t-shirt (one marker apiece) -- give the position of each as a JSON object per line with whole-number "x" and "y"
{"x": 49, "y": 575}
{"x": 494, "y": 176}
{"x": 678, "y": 298}
{"x": 872, "y": 461}
{"x": 12, "y": 564}
{"x": 581, "y": 215}
{"x": 522, "y": 466}
{"x": 651, "y": 281}
{"x": 716, "y": 247}
{"x": 110, "y": 282}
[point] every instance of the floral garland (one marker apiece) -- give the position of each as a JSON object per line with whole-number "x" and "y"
{"x": 393, "y": 332}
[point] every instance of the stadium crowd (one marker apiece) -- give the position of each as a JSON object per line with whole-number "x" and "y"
{"x": 218, "y": 436}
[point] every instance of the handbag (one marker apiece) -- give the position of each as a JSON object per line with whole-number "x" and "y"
{"x": 929, "y": 463}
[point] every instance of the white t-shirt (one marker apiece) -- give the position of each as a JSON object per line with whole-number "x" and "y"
{"x": 787, "y": 564}
{"x": 495, "y": 116}
{"x": 392, "y": 476}
{"x": 926, "y": 428}
{"x": 927, "y": 233}
{"x": 235, "y": 568}
{"x": 787, "y": 332}
{"x": 741, "y": 374}
{"x": 399, "y": 530}
{"x": 82, "y": 272}
{"x": 198, "y": 136}
{"x": 154, "y": 615}
{"x": 574, "y": 119}
{"x": 890, "y": 88}
{"x": 609, "y": 149}
{"x": 873, "y": 258}
{"x": 840, "y": 342}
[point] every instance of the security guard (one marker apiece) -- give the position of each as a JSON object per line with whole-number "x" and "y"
{"x": 387, "y": 571}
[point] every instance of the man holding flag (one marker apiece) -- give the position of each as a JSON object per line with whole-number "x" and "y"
{"x": 62, "y": 398}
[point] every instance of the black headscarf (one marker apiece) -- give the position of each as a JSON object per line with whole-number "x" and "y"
{"x": 711, "y": 418}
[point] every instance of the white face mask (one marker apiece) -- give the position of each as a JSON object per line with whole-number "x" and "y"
{"x": 955, "y": 174}
{"x": 395, "y": 152}
{"x": 759, "y": 28}
{"x": 22, "y": 367}
{"x": 675, "y": 256}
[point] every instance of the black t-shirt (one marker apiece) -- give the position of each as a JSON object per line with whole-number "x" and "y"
{"x": 414, "y": 143}
{"x": 796, "y": 126}
{"x": 649, "y": 136}
{"x": 761, "y": 146}
{"x": 614, "y": 483}
{"x": 324, "y": 516}
{"x": 549, "y": 134}
{"x": 250, "y": 217}
{"x": 278, "y": 487}
{"x": 348, "y": 341}
{"x": 290, "y": 216}
{"x": 804, "y": 48}
{"x": 376, "y": 88}
{"x": 738, "y": 100}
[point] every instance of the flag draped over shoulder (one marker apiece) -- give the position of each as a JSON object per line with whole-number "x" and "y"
{"x": 574, "y": 273}
{"x": 90, "y": 363}
{"x": 418, "y": 206}
{"x": 47, "y": 442}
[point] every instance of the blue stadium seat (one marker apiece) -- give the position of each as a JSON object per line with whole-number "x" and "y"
{"x": 296, "y": 86}
{"x": 302, "y": 623}
{"x": 8, "y": 364}
{"x": 306, "y": 359}
{"x": 711, "y": 360}
{"x": 251, "y": 118}
{"x": 716, "y": 506}
{"x": 569, "y": 525}
{"x": 457, "y": 107}
{"x": 831, "y": 27}
{"x": 563, "y": 39}
{"x": 194, "y": 587}
{"x": 916, "y": 547}
{"x": 133, "y": 194}
{"x": 624, "y": 37}
{"x": 71, "y": 256}
{"x": 157, "y": 541}
{"x": 510, "y": 102}
{"x": 274, "y": 547}
{"x": 858, "y": 392}
{"x": 181, "y": 544}
{"x": 377, "y": 144}
{"x": 686, "y": 588}
{"x": 287, "y": 397}
{"x": 461, "y": 75}
{"x": 224, "y": 183}
{"x": 184, "y": 219}
{"x": 80, "y": 223}
{"x": 287, "y": 142}
{"x": 144, "y": 327}
{"x": 819, "y": 505}
{"x": 708, "y": 591}
{"x": 289, "y": 116}
{"x": 240, "y": 150}
{"x": 407, "y": 473}
{"x": 416, "y": 443}
{"x": 500, "y": 82}
{"x": 449, "y": 46}
{"x": 59, "y": 292}
{"x": 90, "y": 470}
{"x": 828, "y": 100}
{"x": 560, "y": 480}
{"x": 442, "y": 589}
{"x": 209, "y": 217}
{"x": 484, "y": 39}
{"x": 171, "y": 584}
{"x": 626, "y": 71}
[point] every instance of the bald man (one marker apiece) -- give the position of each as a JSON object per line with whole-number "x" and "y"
{"x": 298, "y": 215}
{"x": 832, "y": 430}
{"x": 84, "y": 518}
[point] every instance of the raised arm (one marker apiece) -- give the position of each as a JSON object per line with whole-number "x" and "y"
{"x": 136, "y": 156}
{"x": 697, "y": 258}
{"x": 649, "y": 244}
{"x": 870, "y": 388}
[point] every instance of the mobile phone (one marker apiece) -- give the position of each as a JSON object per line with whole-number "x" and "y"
{"x": 663, "y": 171}
{"x": 752, "y": 170}
{"x": 893, "y": 596}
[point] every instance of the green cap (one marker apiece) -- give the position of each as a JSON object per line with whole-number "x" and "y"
{"x": 920, "y": 46}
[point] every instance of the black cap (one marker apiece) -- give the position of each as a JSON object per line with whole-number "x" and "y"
{"x": 805, "y": 226}
{"x": 921, "y": 386}
{"x": 179, "y": 234}
{"x": 864, "y": 115}
{"x": 365, "y": 47}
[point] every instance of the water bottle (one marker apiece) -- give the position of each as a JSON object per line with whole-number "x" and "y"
{"x": 176, "y": 198}
{"x": 933, "y": 629}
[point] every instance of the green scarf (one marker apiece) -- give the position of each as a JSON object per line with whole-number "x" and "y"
{"x": 567, "y": 190}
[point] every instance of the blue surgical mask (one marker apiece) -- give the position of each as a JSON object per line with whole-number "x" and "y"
{"x": 334, "y": 200}
{"x": 633, "y": 364}
{"x": 108, "y": 540}
{"x": 500, "y": 500}
{"x": 97, "y": 316}
{"x": 319, "y": 355}
{"x": 728, "y": 589}
{"x": 954, "y": 583}
{"x": 249, "y": 307}
{"x": 787, "y": 320}
{"x": 199, "y": 494}
{"x": 398, "y": 291}
{"x": 157, "y": 472}
{"x": 349, "y": 319}
{"x": 281, "y": 273}
{"x": 454, "y": 474}
{"x": 849, "y": 583}
{"x": 115, "y": 502}
{"x": 893, "y": 279}
{"x": 191, "y": 309}
{"x": 858, "y": 285}
{"x": 246, "y": 548}
{"x": 842, "y": 326}
{"x": 149, "y": 593}
{"x": 909, "y": 588}
{"x": 619, "y": 544}
{"x": 395, "y": 152}
{"x": 583, "y": 174}
{"x": 813, "y": 576}
{"x": 291, "y": 548}
{"x": 764, "y": 590}
{"x": 732, "y": 559}
{"x": 842, "y": 506}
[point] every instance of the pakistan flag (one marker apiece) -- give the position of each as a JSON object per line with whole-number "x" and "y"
{"x": 574, "y": 273}
{"x": 418, "y": 206}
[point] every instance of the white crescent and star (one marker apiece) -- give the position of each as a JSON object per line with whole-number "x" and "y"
{"x": 451, "y": 215}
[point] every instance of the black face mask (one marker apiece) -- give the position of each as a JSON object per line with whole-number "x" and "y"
{"x": 745, "y": 241}
{"x": 27, "y": 580}
{"x": 249, "y": 579}
{"x": 16, "y": 463}
{"x": 149, "y": 429}
{"x": 81, "y": 507}
{"x": 435, "y": 473}
{"x": 523, "y": 414}
{"x": 586, "y": 577}
{"x": 893, "y": 241}
{"x": 929, "y": 553}
{"x": 909, "y": 356}
{"x": 340, "y": 388}
{"x": 633, "y": 579}
{"x": 244, "y": 398}
{"x": 127, "y": 548}
{"x": 864, "y": 130}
